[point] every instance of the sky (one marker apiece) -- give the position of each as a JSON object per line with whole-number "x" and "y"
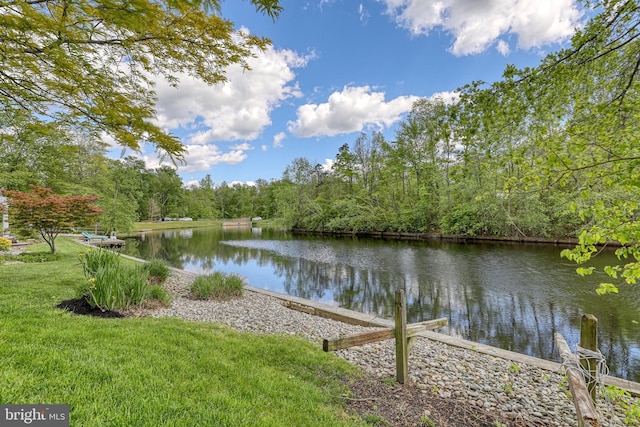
{"x": 337, "y": 68}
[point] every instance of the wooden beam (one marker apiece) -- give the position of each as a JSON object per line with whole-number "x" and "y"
{"x": 587, "y": 415}
{"x": 413, "y": 330}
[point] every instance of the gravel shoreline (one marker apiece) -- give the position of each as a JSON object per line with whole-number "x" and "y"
{"x": 522, "y": 393}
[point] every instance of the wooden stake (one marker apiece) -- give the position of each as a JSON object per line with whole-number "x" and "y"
{"x": 402, "y": 359}
{"x": 589, "y": 341}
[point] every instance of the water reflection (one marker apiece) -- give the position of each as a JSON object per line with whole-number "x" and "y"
{"x": 510, "y": 296}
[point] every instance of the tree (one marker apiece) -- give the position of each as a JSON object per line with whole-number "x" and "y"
{"x": 121, "y": 186}
{"x": 165, "y": 188}
{"x": 50, "y": 213}
{"x": 33, "y": 152}
{"x": 560, "y": 140}
{"x": 588, "y": 98}
{"x": 92, "y": 63}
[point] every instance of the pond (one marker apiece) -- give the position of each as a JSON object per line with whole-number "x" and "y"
{"x": 512, "y": 296}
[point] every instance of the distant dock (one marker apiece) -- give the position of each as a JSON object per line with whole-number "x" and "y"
{"x": 236, "y": 224}
{"x": 105, "y": 243}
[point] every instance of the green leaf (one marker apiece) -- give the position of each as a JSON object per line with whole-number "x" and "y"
{"x": 582, "y": 271}
{"x": 607, "y": 288}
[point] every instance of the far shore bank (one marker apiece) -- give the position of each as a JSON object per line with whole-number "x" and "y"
{"x": 142, "y": 227}
{"x": 559, "y": 241}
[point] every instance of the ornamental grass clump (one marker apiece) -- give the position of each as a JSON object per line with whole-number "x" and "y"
{"x": 94, "y": 259}
{"x": 158, "y": 270}
{"x": 159, "y": 295}
{"x": 218, "y": 286}
{"x": 111, "y": 285}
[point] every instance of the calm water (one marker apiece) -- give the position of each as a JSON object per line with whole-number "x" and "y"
{"x": 510, "y": 296}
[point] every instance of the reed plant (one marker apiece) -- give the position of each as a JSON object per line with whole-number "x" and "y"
{"x": 94, "y": 259}
{"x": 110, "y": 284}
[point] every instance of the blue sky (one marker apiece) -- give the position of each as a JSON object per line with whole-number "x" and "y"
{"x": 338, "y": 68}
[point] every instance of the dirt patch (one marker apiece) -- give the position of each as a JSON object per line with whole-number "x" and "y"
{"x": 398, "y": 405}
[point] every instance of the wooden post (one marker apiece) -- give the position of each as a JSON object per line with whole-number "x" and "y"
{"x": 402, "y": 359}
{"x": 589, "y": 341}
{"x": 585, "y": 407}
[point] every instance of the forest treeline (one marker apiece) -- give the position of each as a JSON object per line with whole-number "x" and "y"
{"x": 551, "y": 150}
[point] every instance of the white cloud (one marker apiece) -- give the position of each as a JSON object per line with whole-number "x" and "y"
{"x": 364, "y": 15}
{"x": 238, "y": 109}
{"x": 110, "y": 141}
{"x": 327, "y": 165}
{"x": 477, "y": 24}
{"x": 264, "y": 147}
{"x": 242, "y": 183}
{"x": 154, "y": 162}
{"x": 277, "y": 140}
{"x": 351, "y": 110}
{"x": 447, "y": 97}
{"x": 201, "y": 157}
{"x": 191, "y": 184}
{"x": 502, "y": 47}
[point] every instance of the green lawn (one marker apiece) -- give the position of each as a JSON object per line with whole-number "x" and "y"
{"x": 153, "y": 372}
{"x": 165, "y": 225}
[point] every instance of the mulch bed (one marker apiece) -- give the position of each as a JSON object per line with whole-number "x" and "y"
{"x": 82, "y": 306}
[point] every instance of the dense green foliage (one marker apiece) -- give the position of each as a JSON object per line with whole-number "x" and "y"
{"x": 153, "y": 372}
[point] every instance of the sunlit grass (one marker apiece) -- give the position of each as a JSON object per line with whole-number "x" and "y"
{"x": 153, "y": 372}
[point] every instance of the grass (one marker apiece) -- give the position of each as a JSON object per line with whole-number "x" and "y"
{"x": 153, "y": 372}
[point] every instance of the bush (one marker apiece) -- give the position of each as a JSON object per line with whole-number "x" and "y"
{"x": 158, "y": 270}
{"x": 5, "y": 244}
{"x": 219, "y": 286}
{"x": 110, "y": 285}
